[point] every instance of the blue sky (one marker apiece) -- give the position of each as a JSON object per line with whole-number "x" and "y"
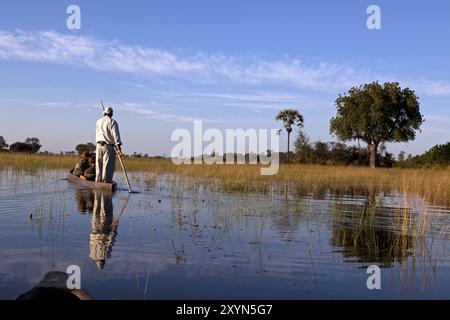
{"x": 233, "y": 64}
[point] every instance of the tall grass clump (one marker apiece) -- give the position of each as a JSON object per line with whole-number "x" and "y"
{"x": 434, "y": 184}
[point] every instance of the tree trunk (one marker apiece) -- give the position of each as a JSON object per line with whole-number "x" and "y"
{"x": 289, "y": 148}
{"x": 373, "y": 149}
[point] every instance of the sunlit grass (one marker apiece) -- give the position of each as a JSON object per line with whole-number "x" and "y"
{"x": 434, "y": 184}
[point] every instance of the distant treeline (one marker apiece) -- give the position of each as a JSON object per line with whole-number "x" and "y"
{"x": 306, "y": 152}
{"x": 337, "y": 153}
{"x": 30, "y": 145}
{"x": 438, "y": 156}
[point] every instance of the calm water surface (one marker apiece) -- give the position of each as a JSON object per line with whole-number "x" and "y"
{"x": 176, "y": 240}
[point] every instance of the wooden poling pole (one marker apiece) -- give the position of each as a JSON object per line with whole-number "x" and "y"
{"x": 124, "y": 170}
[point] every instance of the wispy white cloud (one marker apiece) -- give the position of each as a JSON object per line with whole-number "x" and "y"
{"x": 151, "y": 113}
{"x": 53, "y": 47}
{"x": 63, "y": 105}
{"x": 129, "y": 84}
{"x": 55, "y": 104}
{"x": 145, "y": 110}
{"x": 433, "y": 88}
{"x": 115, "y": 56}
{"x": 271, "y": 100}
{"x": 86, "y": 51}
{"x": 252, "y": 100}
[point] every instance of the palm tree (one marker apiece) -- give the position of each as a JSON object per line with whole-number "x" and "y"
{"x": 290, "y": 117}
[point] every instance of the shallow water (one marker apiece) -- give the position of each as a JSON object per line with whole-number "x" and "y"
{"x": 176, "y": 240}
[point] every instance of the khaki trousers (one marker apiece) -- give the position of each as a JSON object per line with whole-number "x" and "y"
{"x": 105, "y": 163}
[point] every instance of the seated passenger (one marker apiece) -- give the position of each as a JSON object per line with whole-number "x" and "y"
{"x": 89, "y": 174}
{"x": 82, "y": 165}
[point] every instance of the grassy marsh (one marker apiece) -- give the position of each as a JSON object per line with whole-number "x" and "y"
{"x": 284, "y": 233}
{"x": 432, "y": 184}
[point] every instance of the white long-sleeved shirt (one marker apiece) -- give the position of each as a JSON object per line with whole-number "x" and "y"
{"x": 107, "y": 130}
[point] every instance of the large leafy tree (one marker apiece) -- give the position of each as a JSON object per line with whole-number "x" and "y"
{"x": 290, "y": 118}
{"x": 375, "y": 114}
{"x": 34, "y": 143}
{"x": 20, "y": 147}
{"x": 89, "y": 147}
{"x": 31, "y": 145}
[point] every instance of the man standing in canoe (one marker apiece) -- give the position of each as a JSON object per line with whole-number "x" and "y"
{"x": 108, "y": 144}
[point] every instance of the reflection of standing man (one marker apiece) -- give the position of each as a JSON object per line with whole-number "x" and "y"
{"x": 104, "y": 229}
{"x": 108, "y": 140}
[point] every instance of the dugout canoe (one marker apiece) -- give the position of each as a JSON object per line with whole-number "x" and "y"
{"x": 54, "y": 288}
{"x": 91, "y": 184}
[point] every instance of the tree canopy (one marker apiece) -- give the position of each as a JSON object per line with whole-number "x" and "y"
{"x": 31, "y": 145}
{"x": 376, "y": 113}
{"x": 89, "y": 147}
{"x": 290, "y": 117}
{"x": 34, "y": 144}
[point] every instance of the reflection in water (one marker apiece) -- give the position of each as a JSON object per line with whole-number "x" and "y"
{"x": 104, "y": 229}
{"x": 362, "y": 233}
{"x": 293, "y": 243}
{"x": 85, "y": 200}
{"x": 390, "y": 236}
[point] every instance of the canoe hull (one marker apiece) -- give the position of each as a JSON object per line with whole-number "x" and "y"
{"x": 91, "y": 184}
{"x": 54, "y": 288}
